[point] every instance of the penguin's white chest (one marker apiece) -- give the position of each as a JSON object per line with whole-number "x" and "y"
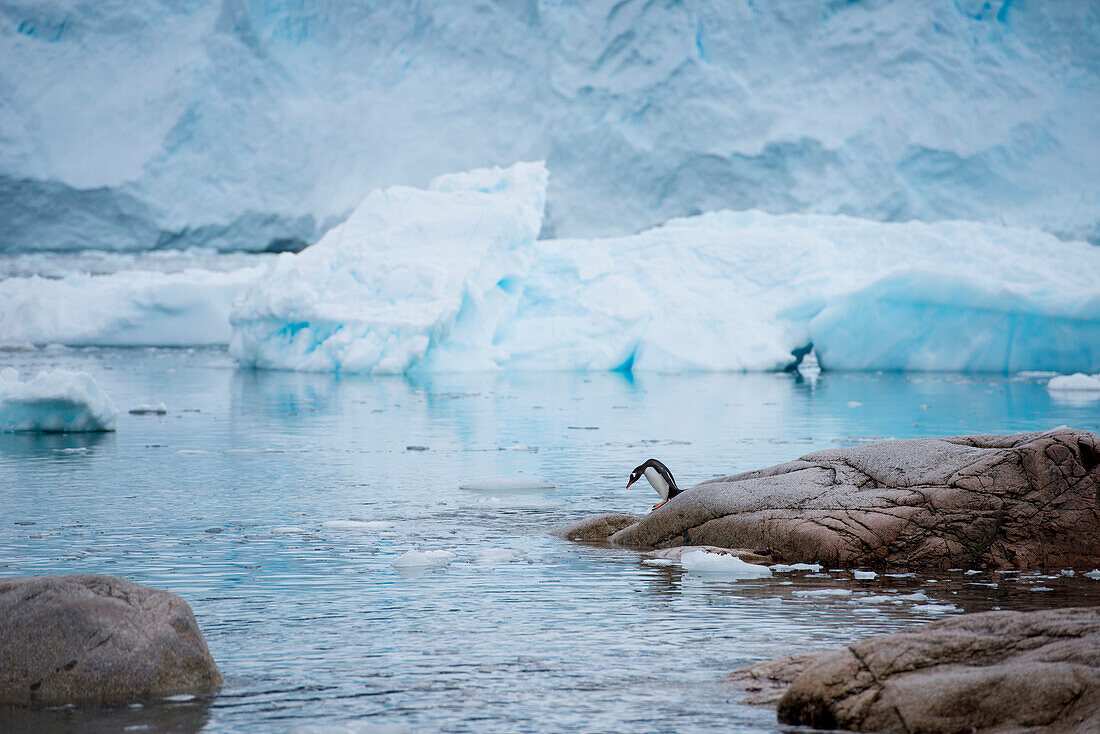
{"x": 657, "y": 481}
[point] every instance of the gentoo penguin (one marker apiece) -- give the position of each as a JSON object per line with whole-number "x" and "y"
{"x": 659, "y": 476}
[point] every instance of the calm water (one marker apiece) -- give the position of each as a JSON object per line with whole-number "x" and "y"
{"x": 235, "y": 498}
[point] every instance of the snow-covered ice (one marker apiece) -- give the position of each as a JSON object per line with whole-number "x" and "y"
{"x": 243, "y": 124}
{"x": 721, "y": 564}
{"x": 424, "y": 559}
{"x": 53, "y": 401}
{"x": 451, "y": 278}
{"x": 718, "y": 291}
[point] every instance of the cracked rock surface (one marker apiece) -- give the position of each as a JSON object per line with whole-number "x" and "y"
{"x": 97, "y": 639}
{"x": 988, "y": 672}
{"x": 1024, "y": 501}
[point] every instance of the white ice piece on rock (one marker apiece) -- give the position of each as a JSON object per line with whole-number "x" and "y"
{"x": 54, "y": 401}
{"x": 377, "y": 292}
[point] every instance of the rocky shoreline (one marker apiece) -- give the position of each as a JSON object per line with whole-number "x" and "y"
{"x": 989, "y": 672}
{"x": 1025, "y": 502}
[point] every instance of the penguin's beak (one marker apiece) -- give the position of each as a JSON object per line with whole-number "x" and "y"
{"x": 630, "y": 482}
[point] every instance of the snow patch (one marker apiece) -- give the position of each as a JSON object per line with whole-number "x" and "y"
{"x": 54, "y": 401}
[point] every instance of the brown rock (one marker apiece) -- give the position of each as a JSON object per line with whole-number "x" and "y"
{"x": 989, "y": 672}
{"x": 596, "y": 529}
{"x": 97, "y": 639}
{"x": 766, "y": 682}
{"x": 1026, "y": 501}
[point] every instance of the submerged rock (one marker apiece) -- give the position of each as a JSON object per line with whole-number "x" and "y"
{"x": 988, "y": 672}
{"x": 1025, "y": 501}
{"x": 97, "y": 639}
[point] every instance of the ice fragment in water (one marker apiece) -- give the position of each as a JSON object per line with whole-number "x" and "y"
{"x": 721, "y": 564}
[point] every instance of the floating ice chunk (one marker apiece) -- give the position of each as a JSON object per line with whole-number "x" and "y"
{"x": 864, "y": 575}
{"x": 785, "y": 567}
{"x": 54, "y": 401}
{"x": 493, "y": 556}
{"x": 935, "y": 608}
{"x": 424, "y": 559}
{"x": 1078, "y": 381}
{"x": 823, "y": 592}
{"x": 1093, "y": 574}
{"x": 854, "y": 404}
{"x": 149, "y": 409}
{"x": 721, "y": 564}
{"x": 180, "y": 697}
{"x": 358, "y": 525}
{"x": 509, "y": 486}
{"x": 659, "y": 562}
{"x": 972, "y": 572}
{"x": 380, "y": 289}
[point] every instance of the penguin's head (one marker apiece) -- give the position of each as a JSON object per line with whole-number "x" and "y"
{"x": 639, "y": 472}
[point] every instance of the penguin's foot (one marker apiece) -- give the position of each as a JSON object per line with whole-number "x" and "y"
{"x": 658, "y": 505}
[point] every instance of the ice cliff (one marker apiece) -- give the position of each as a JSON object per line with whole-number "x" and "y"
{"x": 453, "y": 278}
{"x": 248, "y": 124}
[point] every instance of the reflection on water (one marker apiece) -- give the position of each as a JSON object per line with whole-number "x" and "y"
{"x": 276, "y": 503}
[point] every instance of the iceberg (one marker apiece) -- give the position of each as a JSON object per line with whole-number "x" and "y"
{"x": 409, "y": 269}
{"x": 452, "y": 278}
{"x": 53, "y": 402}
{"x": 705, "y": 563}
{"x": 248, "y": 125}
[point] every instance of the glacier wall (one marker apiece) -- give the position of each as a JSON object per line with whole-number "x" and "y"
{"x": 239, "y": 124}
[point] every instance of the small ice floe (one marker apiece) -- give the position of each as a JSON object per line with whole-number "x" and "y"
{"x": 1068, "y": 572}
{"x": 894, "y": 598}
{"x": 509, "y": 486}
{"x": 1077, "y": 382}
{"x": 424, "y": 559}
{"x": 494, "y": 556}
{"x": 54, "y": 402}
{"x": 150, "y": 409}
{"x": 864, "y": 575}
{"x": 180, "y": 697}
{"x": 935, "y": 608}
{"x": 1040, "y": 588}
{"x": 823, "y": 592}
{"x": 79, "y": 450}
{"x": 1093, "y": 574}
{"x": 971, "y": 572}
{"x": 854, "y": 404}
{"x": 518, "y": 447}
{"x": 785, "y": 567}
{"x": 721, "y": 564}
{"x": 357, "y": 525}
